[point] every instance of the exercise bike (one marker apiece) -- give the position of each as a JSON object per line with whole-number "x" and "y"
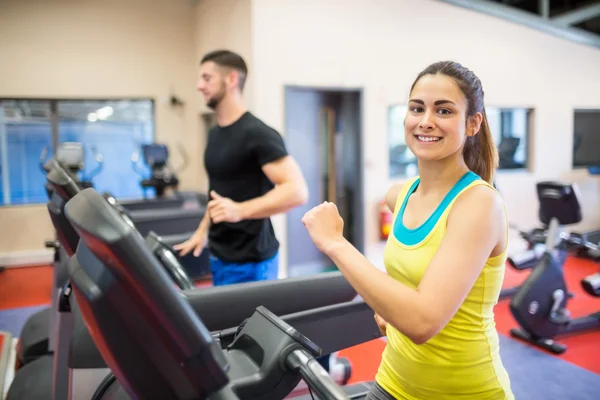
{"x": 588, "y": 243}
{"x": 540, "y": 305}
{"x": 591, "y": 283}
{"x": 527, "y": 259}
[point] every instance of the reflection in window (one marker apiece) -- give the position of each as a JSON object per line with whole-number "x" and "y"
{"x": 510, "y": 130}
{"x": 509, "y": 126}
{"x": 25, "y": 130}
{"x": 403, "y": 162}
{"x": 113, "y": 129}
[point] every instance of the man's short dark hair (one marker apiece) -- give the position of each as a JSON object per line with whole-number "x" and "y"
{"x": 228, "y": 59}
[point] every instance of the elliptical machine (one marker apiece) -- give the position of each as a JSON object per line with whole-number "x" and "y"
{"x": 162, "y": 175}
{"x": 540, "y": 305}
{"x": 71, "y": 156}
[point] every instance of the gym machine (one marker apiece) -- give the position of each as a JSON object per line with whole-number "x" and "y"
{"x": 574, "y": 243}
{"x": 526, "y": 259}
{"x": 540, "y": 305}
{"x": 77, "y": 368}
{"x": 591, "y": 283}
{"x": 145, "y": 328}
{"x": 535, "y": 240}
{"x": 69, "y": 156}
{"x": 162, "y": 175}
{"x": 589, "y": 242}
{"x": 174, "y": 219}
{"x": 165, "y": 216}
{"x": 38, "y": 333}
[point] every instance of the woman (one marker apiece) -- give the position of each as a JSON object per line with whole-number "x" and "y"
{"x": 445, "y": 255}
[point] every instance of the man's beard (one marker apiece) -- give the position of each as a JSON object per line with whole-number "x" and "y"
{"x": 214, "y": 101}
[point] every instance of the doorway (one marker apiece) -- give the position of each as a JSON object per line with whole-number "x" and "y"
{"x": 323, "y": 133}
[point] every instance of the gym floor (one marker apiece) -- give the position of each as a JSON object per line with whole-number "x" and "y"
{"x": 535, "y": 374}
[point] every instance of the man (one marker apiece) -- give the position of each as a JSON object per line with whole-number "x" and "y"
{"x": 251, "y": 177}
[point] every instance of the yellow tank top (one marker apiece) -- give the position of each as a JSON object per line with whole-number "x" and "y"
{"x": 462, "y": 361}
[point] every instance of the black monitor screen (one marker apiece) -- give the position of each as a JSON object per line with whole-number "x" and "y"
{"x": 156, "y": 154}
{"x": 586, "y": 140}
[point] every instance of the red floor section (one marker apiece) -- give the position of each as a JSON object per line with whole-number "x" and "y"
{"x": 365, "y": 359}
{"x": 25, "y": 287}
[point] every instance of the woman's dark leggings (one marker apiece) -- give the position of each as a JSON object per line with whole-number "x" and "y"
{"x": 378, "y": 393}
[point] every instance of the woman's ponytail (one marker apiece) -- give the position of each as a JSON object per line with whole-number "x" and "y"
{"x": 481, "y": 154}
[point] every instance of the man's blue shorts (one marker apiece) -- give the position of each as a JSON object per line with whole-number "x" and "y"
{"x": 227, "y": 273}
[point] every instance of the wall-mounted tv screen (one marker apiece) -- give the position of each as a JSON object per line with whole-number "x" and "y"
{"x": 586, "y": 143}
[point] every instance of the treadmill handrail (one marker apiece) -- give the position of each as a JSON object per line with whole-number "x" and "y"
{"x": 223, "y": 307}
{"x": 313, "y": 373}
{"x": 332, "y": 328}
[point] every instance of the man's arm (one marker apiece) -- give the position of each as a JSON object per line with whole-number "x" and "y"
{"x": 204, "y": 224}
{"x": 290, "y": 190}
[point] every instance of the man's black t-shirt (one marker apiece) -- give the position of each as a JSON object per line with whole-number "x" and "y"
{"x": 233, "y": 159}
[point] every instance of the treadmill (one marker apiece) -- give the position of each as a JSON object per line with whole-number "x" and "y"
{"x": 77, "y": 367}
{"x": 157, "y": 346}
{"x": 38, "y": 334}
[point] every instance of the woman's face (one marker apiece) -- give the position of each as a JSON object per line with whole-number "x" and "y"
{"x": 435, "y": 124}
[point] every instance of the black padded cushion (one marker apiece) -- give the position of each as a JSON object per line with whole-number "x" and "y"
{"x": 560, "y": 201}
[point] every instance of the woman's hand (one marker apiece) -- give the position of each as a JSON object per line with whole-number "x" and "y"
{"x": 324, "y": 225}
{"x": 381, "y": 324}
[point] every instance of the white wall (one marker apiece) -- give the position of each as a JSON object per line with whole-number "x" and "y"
{"x": 223, "y": 24}
{"x": 96, "y": 49}
{"x": 82, "y": 49}
{"x": 381, "y": 45}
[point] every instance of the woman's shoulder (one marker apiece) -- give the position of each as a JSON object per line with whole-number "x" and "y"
{"x": 391, "y": 196}
{"x": 480, "y": 198}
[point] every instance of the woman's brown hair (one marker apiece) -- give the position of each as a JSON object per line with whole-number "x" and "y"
{"x": 480, "y": 153}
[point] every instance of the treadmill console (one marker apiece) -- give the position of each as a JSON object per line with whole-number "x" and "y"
{"x": 290, "y": 331}
{"x": 169, "y": 261}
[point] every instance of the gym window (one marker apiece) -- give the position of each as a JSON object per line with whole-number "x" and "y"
{"x": 31, "y": 130}
{"x": 510, "y": 129}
